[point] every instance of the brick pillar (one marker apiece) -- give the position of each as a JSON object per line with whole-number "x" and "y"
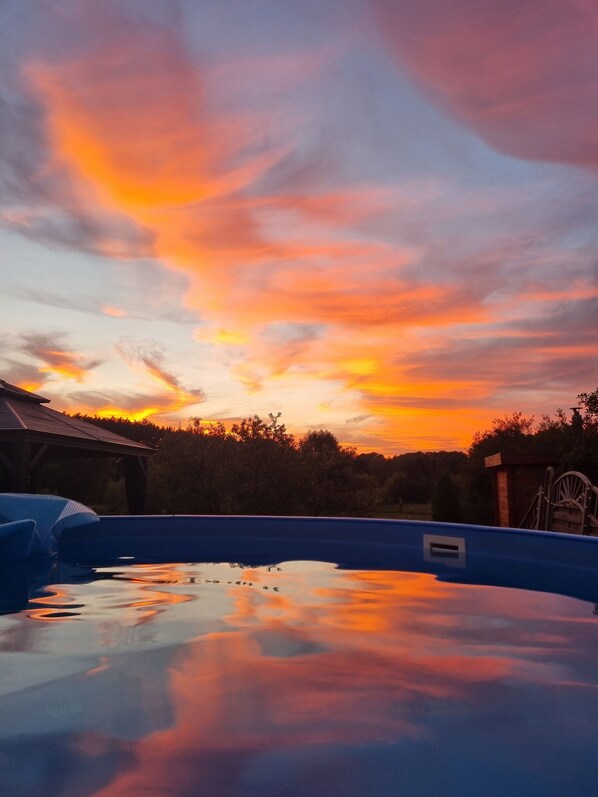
{"x": 517, "y": 478}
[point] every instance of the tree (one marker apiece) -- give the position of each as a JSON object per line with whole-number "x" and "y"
{"x": 191, "y": 471}
{"x": 256, "y": 429}
{"x": 446, "y": 505}
{"x": 589, "y": 402}
{"x": 375, "y": 465}
{"x": 332, "y": 484}
{"x": 511, "y": 432}
{"x": 265, "y": 471}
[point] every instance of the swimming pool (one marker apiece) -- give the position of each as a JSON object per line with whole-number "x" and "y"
{"x": 246, "y": 656}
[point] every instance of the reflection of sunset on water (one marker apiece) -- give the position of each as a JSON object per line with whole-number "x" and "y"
{"x": 203, "y": 676}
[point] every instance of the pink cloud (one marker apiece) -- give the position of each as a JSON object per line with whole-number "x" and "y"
{"x": 524, "y": 77}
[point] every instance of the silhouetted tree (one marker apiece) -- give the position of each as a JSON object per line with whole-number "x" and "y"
{"x": 373, "y": 464}
{"x": 446, "y": 504}
{"x": 191, "y": 471}
{"x": 265, "y": 472}
{"x": 333, "y": 484}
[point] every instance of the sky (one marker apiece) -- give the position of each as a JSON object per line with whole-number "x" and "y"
{"x": 378, "y": 217}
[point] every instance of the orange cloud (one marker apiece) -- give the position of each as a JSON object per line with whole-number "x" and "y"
{"x": 32, "y": 387}
{"x": 115, "y": 312}
{"x": 114, "y": 411}
{"x": 100, "y": 127}
{"x": 130, "y": 124}
{"x": 132, "y": 405}
{"x": 57, "y": 359}
{"x": 150, "y": 357}
{"x": 398, "y": 290}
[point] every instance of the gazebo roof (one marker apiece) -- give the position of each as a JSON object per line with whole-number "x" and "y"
{"x": 23, "y": 416}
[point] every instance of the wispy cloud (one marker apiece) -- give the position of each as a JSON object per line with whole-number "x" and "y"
{"x": 137, "y": 306}
{"x": 19, "y": 373}
{"x": 56, "y": 357}
{"x": 150, "y": 356}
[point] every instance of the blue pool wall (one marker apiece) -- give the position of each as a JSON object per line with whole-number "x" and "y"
{"x": 262, "y": 530}
{"x": 542, "y": 561}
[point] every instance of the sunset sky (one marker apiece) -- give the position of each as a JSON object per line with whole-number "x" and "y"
{"x": 378, "y": 217}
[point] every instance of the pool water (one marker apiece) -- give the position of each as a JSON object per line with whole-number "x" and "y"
{"x": 294, "y": 679}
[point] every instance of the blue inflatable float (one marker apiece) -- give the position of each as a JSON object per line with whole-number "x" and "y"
{"x": 31, "y": 525}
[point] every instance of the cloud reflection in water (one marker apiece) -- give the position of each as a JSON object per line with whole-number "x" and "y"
{"x": 212, "y": 679}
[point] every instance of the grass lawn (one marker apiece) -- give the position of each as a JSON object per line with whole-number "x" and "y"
{"x": 404, "y": 512}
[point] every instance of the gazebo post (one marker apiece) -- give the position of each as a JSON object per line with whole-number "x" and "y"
{"x": 19, "y": 474}
{"x": 135, "y": 483}
{"x": 36, "y": 460}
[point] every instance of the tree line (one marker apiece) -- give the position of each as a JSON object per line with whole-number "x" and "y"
{"x": 257, "y": 467}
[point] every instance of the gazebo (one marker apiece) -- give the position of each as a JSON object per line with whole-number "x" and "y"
{"x": 30, "y": 432}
